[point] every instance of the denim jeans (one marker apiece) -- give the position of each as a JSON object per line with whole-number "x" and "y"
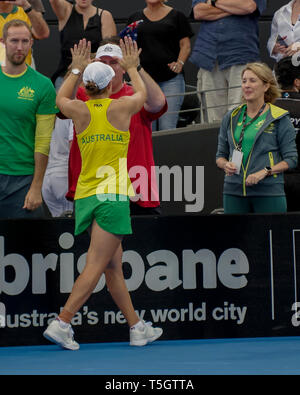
{"x": 172, "y": 87}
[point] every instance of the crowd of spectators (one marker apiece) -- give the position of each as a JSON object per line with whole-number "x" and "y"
{"x": 164, "y": 36}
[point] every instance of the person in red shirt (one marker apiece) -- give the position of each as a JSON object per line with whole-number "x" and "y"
{"x": 140, "y": 161}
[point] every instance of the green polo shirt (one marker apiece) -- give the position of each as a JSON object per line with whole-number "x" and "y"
{"x": 250, "y": 132}
{"x": 22, "y": 97}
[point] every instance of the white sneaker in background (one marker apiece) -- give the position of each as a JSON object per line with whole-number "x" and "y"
{"x": 61, "y": 336}
{"x": 142, "y": 336}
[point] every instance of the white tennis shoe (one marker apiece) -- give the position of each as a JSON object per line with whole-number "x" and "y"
{"x": 61, "y": 336}
{"x": 146, "y": 334}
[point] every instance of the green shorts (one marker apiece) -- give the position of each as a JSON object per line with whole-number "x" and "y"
{"x": 111, "y": 214}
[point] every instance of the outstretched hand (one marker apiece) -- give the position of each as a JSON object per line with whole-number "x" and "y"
{"x": 81, "y": 55}
{"x": 131, "y": 53}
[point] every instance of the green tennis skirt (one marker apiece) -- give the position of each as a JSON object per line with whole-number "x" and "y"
{"x": 111, "y": 213}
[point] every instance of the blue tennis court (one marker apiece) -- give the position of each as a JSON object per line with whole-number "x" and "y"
{"x": 255, "y": 356}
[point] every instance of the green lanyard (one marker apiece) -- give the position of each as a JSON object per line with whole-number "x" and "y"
{"x": 245, "y": 125}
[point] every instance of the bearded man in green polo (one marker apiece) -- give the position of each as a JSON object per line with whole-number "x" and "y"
{"x": 27, "y": 108}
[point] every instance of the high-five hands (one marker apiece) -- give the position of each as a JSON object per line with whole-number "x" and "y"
{"x": 81, "y": 55}
{"x": 131, "y": 53}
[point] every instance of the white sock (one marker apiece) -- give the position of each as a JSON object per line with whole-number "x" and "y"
{"x": 62, "y": 323}
{"x": 139, "y": 325}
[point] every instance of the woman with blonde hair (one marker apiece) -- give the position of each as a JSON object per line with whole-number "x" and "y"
{"x": 103, "y": 188}
{"x": 256, "y": 145}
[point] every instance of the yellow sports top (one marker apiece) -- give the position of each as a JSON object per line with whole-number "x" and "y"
{"x": 103, "y": 151}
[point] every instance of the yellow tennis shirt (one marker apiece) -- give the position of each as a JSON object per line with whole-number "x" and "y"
{"x": 103, "y": 151}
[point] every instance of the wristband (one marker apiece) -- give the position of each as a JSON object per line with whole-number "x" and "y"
{"x": 181, "y": 62}
{"x": 28, "y": 10}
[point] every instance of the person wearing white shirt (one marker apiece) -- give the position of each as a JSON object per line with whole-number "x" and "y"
{"x": 285, "y": 31}
{"x": 55, "y": 184}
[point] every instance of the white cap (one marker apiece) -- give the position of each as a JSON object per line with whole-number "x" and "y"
{"x": 99, "y": 73}
{"x": 111, "y": 50}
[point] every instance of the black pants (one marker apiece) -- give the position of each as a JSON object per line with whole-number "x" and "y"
{"x": 135, "y": 209}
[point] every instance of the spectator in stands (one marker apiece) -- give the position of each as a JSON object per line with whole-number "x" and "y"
{"x": 256, "y": 145}
{"x": 29, "y": 11}
{"x": 285, "y": 31}
{"x": 106, "y": 214}
{"x": 164, "y": 36}
{"x": 140, "y": 161}
{"x": 287, "y": 72}
{"x": 288, "y": 77}
{"x": 27, "y": 108}
{"x": 81, "y": 20}
{"x": 227, "y": 39}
